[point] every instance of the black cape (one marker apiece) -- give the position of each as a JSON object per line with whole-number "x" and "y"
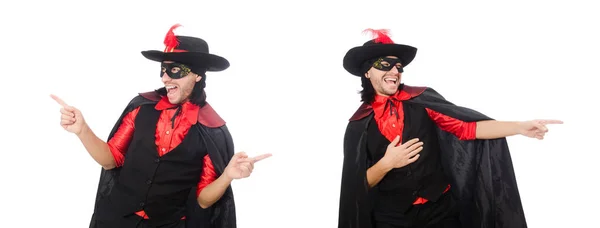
{"x": 481, "y": 171}
{"x": 216, "y": 136}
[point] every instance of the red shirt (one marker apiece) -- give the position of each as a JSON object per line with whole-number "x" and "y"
{"x": 167, "y": 137}
{"x": 391, "y": 125}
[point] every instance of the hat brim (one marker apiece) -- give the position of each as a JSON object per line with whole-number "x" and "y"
{"x": 355, "y": 57}
{"x": 210, "y": 62}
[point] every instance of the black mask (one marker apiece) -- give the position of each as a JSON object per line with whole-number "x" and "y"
{"x": 174, "y": 70}
{"x": 386, "y": 64}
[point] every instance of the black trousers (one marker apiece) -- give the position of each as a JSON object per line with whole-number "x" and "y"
{"x": 440, "y": 214}
{"x": 135, "y": 221}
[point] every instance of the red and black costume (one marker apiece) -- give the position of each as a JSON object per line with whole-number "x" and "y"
{"x": 165, "y": 154}
{"x": 467, "y": 179}
{"x": 169, "y": 134}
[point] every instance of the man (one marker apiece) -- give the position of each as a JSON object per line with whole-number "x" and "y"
{"x": 169, "y": 160}
{"x": 413, "y": 159}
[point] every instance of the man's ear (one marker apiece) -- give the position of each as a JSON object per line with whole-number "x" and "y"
{"x": 367, "y": 74}
{"x": 198, "y": 78}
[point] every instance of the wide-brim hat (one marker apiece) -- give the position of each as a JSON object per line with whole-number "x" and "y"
{"x": 380, "y": 46}
{"x": 187, "y": 50}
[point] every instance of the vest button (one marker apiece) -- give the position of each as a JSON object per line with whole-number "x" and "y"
{"x": 149, "y": 182}
{"x": 157, "y": 160}
{"x": 142, "y": 204}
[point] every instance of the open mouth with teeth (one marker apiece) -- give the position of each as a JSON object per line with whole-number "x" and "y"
{"x": 390, "y": 81}
{"x": 171, "y": 89}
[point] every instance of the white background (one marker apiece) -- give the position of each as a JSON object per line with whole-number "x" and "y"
{"x": 287, "y": 93}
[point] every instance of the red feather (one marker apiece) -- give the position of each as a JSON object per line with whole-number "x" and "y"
{"x": 380, "y": 35}
{"x": 171, "y": 41}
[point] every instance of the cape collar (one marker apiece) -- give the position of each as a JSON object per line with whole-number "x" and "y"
{"x": 405, "y": 93}
{"x": 207, "y": 116}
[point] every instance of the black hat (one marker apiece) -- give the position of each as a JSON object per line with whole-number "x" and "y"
{"x": 187, "y": 50}
{"x": 382, "y": 45}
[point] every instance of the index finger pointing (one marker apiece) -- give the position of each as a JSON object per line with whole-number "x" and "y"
{"x": 58, "y": 100}
{"x": 261, "y": 157}
{"x": 551, "y": 122}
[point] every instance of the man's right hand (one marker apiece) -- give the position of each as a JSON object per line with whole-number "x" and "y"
{"x": 70, "y": 118}
{"x": 397, "y": 156}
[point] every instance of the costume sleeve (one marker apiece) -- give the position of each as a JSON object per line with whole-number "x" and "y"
{"x": 461, "y": 129}
{"x": 208, "y": 175}
{"x": 119, "y": 143}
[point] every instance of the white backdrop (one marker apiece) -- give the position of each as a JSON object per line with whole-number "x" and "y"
{"x": 287, "y": 93}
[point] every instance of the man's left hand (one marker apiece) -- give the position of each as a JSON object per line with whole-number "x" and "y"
{"x": 536, "y": 128}
{"x": 241, "y": 165}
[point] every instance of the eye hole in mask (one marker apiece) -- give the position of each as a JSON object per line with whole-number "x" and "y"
{"x": 174, "y": 70}
{"x": 386, "y": 64}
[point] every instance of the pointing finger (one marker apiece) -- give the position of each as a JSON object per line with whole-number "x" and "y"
{"x": 58, "y": 100}
{"x": 261, "y": 157}
{"x": 551, "y": 122}
{"x": 244, "y": 160}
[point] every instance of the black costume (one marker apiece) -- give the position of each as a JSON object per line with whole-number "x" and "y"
{"x": 220, "y": 147}
{"x": 480, "y": 172}
{"x": 165, "y": 187}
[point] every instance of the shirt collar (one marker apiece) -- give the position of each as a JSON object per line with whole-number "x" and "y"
{"x": 401, "y": 95}
{"x": 188, "y": 110}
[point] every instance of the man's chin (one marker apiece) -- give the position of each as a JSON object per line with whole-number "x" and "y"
{"x": 173, "y": 99}
{"x": 390, "y": 92}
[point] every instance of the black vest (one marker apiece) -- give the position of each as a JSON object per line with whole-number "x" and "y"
{"x": 424, "y": 178}
{"x": 158, "y": 185}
